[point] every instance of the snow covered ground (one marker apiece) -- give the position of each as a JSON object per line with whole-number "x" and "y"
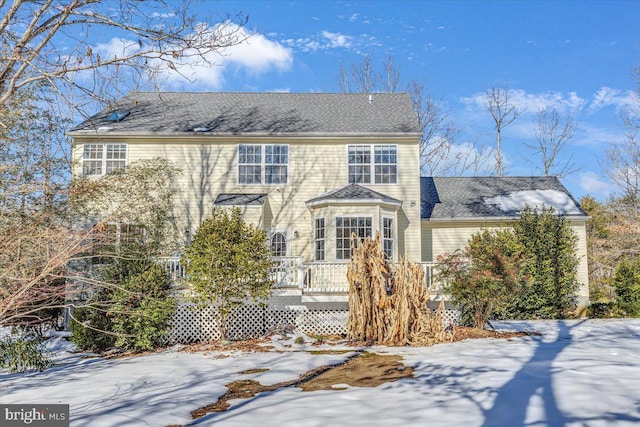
{"x": 578, "y": 373}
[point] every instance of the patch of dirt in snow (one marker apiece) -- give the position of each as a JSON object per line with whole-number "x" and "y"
{"x": 366, "y": 370}
{"x": 363, "y": 370}
{"x": 250, "y": 346}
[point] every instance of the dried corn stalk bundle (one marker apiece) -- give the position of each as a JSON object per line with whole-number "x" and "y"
{"x": 388, "y": 305}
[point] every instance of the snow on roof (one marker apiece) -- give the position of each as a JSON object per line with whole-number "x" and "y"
{"x": 518, "y": 200}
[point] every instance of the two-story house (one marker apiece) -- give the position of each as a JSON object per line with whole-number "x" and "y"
{"x": 311, "y": 169}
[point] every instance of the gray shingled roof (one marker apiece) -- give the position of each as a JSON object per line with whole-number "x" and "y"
{"x": 239, "y": 199}
{"x": 256, "y": 113}
{"x": 492, "y": 197}
{"x": 353, "y": 192}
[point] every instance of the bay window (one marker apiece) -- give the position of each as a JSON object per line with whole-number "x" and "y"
{"x": 345, "y": 227}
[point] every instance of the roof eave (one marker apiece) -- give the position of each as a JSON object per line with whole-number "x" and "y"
{"x": 88, "y": 133}
{"x": 498, "y": 218}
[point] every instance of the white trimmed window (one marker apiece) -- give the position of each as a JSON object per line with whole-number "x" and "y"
{"x": 383, "y": 164}
{"x": 319, "y": 239}
{"x": 345, "y": 227}
{"x": 250, "y": 164}
{"x": 386, "y": 164}
{"x": 263, "y": 164}
{"x": 101, "y": 159}
{"x": 359, "y": 164}
{"x": 278, "y": 243}
{"x": 387, "y": 237}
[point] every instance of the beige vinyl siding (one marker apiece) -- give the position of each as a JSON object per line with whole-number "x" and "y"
{"x": 316, "y": 166}
{"x": 439, "y": 237}
{"x": 580, "y": 228}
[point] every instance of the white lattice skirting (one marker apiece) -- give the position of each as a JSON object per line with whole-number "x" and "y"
{"x": 192, "y": 324}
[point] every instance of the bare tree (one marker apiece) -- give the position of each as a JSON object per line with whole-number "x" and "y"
{"x": 503, "y": 112}
{"x": 622, "y": 162}
{"x": 553, "y": 134}
{"x": 51, "y": 41}
{"x": 437, "y": 127}
{"x": 364, "y": 77}
{"x": 438, "y": 153}
{"x": 467, "y": 158}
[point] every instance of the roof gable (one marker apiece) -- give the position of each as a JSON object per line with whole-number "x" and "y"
{"x": 257, "y": 113}
{"x": 492, "y": 197}
{"x": 353, "y": 193}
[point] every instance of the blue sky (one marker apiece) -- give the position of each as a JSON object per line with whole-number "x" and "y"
{"x": 577, "y": 57}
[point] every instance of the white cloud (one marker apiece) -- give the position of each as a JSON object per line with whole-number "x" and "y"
{"x": 606, "y": 97}
{"x": 593, "y": 185}
{"x": 253, "y": 53}
{"x": 531, "y": 103}
{"x": 353, "y": 17}
{"x": 162, "y": 15}
{"x": 322, "y": 41}
{"x": 337, "y": 40}
{"x": 588, "y": 134}
{"x": 116, "y": 47}
{"x": 459, "y": 159}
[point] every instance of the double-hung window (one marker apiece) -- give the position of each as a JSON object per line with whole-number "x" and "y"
{"x": 385, "y": 164}
{"x": 345, "y": 228}
{"x": 101, "y": 159}
{"x": 319, "y": 239}
{"x": 360, "y": 164}
{"x": 387, "y": 237}
{"x": 263, "y": 164}
{"x": 376, "y": 164}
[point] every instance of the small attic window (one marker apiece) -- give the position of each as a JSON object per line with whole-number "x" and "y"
{"x": 117, "y": 116}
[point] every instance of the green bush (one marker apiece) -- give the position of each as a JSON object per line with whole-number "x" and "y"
{"x": 19, "y": 353}
{"x": 626, "y": 283}
{"x": 90, "y": 326}
{"x": 550, "y": 248}
{"x": 603, "y": 310}
{"x": 142, "y": 309}
{"x": 227, "y": 263}
{"x": 133, "y": 314}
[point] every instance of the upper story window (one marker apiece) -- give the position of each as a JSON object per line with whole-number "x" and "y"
{"x": 373, "y": 163}
{"x": 263, "y": 164}
{"x": 101, "y": 159}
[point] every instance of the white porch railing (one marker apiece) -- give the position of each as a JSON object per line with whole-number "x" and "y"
{"x": 332, "y": 277}
{"x": 288, "y": 272}
{"x": 173, "y": 267}
{"x": 326, "y": 277}
{"x": 291, "y": 272}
